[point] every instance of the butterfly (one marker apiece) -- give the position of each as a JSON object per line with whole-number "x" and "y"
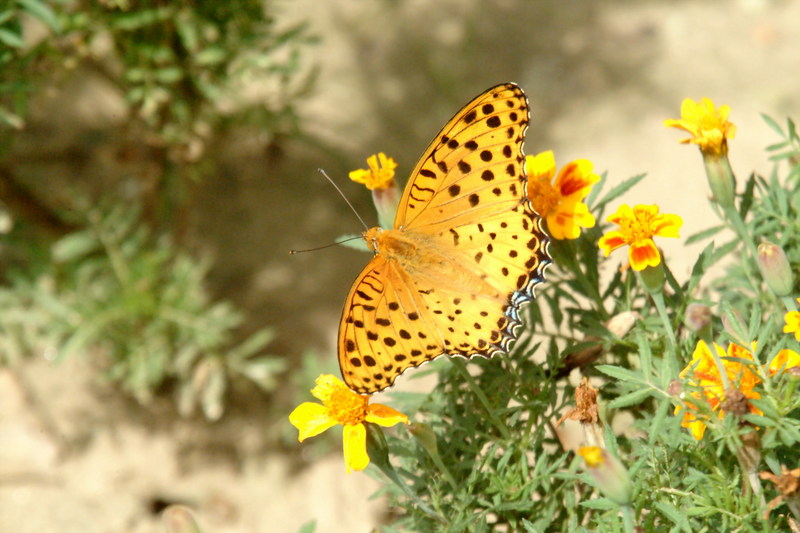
{"x": 465, "y": 252}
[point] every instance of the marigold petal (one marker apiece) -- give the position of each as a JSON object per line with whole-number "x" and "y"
{"x": 784, "y": 360}
{"x": 541, "y": 166}
{"x": 645, "y": 211}
{"x": 698, "y": 429}
{"x": 643, "y": 254}
{"x": 792, "y": 319}
{"x": 326, "y": 385}
{"x": 385, "y": 416}
{"x": 624, "y": 212}
{"x": 576, "y": 179}
{"x": 611, "y": 241}
{"x": 691, "y": 421}
{"x": 690, "y": 110}
{"x": 311, "y": 419}
{"x": 562, "y": 226}
{"x": 679, "y": 124}
{"x": 354, "y": 445}
{"x": 360, "y": 175}
{"x": 583, "y": 217}
{"x": 667, "y": 225}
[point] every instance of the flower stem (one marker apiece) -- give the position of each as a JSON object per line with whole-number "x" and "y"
{"x": 733, "y": 216}
{"x": 790, "y": 303}
{"x": 658, "y": 299}
{"x": 627, "y": 519}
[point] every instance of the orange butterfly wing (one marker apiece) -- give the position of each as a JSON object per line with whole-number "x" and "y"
{"x": 465, "y": 252}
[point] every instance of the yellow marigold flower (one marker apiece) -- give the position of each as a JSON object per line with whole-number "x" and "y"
{"x": 709, "y": 126}
{"x": 792, "y": 319}
{"x": 342, "y": 406}
{"x": 703, "y": 373}
{"x": 379, "y": 175}
{"x": 637, "y": 227}
{"x": 560, "y": 201}
{"x": 785, "y": 360}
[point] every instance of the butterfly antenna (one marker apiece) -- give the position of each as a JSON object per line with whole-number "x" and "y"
{"x": 345, "y": 198}
{"x": 295, "y": 252}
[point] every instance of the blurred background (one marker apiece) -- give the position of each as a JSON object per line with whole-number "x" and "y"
{"x": 158, "y": 161}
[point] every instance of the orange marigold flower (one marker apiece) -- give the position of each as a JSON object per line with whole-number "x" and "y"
{"x": 792, "y": 319}
{"x": 379, "y": 175}
{"x": 702, "y": 372}
{"x": 560, "y": 201}
{"x": 709, "y": 126}
{"x": 342, "y": 406}
{"x": 637, "y": 227}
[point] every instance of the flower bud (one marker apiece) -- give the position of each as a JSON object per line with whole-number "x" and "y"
{"x": 653, "y": 278}
{"x": 720, "y": 177}
{"x": 377, "y": 448}
{"x": 698, "y": 317}
{"x": 611, "y": 477}
{"x": 734, "y": 325}
{"x": 386, "y": 201}
{"x": 775, "y": 268}
{"x": 425, "y": 436}
{"x": 179, "y": 519}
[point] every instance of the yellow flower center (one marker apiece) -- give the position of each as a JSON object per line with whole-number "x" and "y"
{"x": 592, "y": 455}
{"x": 544, "y": 196}
{"x": 638, "y": 228}
{"x": 346, "y": 407}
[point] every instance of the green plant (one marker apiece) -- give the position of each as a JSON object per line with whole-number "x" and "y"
{"x": 708, "y": 426}
{"x": 115, "y": 291}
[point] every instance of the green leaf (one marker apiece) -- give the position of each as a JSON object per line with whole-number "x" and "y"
{"x": 169, "y": 75}
{"x": 657, "y": 424}
{"x": 603, "y": 504}
{"x": 619, "y": 190}
{"x": 263, "y": 371}
{"x": 759, "y": 420}
{"x": 10, "y": 38}
{"x": 622, "y": 374}
{"x": 74, "y": 246}
{"x": 7, "y": 15}
{"x": 252, "y": 345}
{"x": 705, "y": 234}
{"x": 41, "y": 11}
{"x": 308, "y": 527}
{"x": 530, "y": 527}
{"x": 632, "y": 398}
{"x": 678, "y": 517}
{"x": 211, "y": 56}
{"x": 772, "y": 124}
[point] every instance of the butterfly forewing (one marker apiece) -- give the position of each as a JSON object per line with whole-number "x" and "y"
{"x": 478, "y": 251}
{"x": 474, "y": 165}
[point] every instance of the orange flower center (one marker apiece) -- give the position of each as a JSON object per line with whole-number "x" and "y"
{"x": 543, "y": 196}
{"x": 638, "y": 228}
{"x": 346, "y": 407}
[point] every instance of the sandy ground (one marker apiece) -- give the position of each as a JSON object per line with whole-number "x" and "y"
{"x": 601, "y": 77}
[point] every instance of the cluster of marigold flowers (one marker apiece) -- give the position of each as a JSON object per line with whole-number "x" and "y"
{"x": 558, "y": 197}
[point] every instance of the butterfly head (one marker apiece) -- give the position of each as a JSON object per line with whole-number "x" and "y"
{"x": 373, "y": 236}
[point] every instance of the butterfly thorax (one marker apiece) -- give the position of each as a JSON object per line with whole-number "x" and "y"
{"x": 419, "y": 254}
{"x": 393, "y": 244}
